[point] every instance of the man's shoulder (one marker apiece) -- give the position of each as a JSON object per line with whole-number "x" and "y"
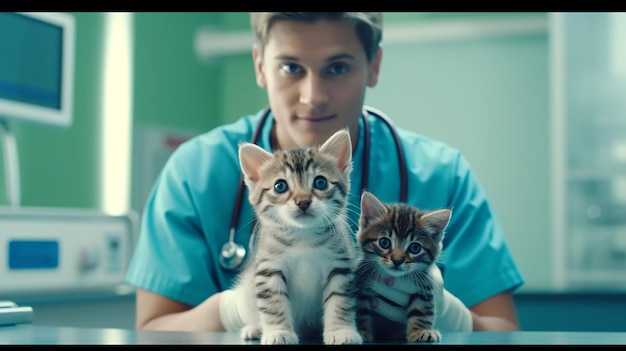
{"x": 410, "y": 138}
{"x": 216, "y": 147}
{"x": 427, "y": 146}
{"x": 222, "y": 138}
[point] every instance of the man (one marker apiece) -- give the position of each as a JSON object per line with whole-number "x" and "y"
{"x": 316, "y": 68}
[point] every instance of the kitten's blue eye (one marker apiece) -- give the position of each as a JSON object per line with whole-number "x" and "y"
{"x": 320, "y": 183}
{"x": 414, "y": 248}
{"x": 281, "y": 186}
{"x": 384, "y": 243}
{"x": 291, "y": 68}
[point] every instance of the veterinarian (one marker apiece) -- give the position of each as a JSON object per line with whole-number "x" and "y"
{"x": 316, "y": 67}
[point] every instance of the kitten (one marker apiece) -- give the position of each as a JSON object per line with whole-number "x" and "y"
{"x": 297, "y": 284}
{"x": 403, "y": 242}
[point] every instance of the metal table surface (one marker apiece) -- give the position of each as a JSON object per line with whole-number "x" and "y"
{"x": 29, "y": 334}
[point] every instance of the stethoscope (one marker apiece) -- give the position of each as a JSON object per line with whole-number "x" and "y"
{"x": 233, "y": 254}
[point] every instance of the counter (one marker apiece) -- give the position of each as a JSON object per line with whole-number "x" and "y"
{"x": 28, "y": 334}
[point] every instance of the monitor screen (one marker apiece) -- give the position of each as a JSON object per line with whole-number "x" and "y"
{"x": 37, "y": 67}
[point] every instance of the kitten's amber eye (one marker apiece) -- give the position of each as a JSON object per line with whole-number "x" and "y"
{"x": 320, "y": 183}
{"x": 384, "y": 243}
{"x": 414, "y": 248}
{"x": 281, "y": 186}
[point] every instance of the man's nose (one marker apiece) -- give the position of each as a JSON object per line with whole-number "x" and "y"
{"x": 313, "y": 91}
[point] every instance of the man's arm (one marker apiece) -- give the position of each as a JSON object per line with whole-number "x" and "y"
{"x": 156, "y": 312}
{"x": 496, "y": 313}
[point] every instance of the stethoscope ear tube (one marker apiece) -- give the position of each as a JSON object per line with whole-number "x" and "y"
{"x": 404, "y": 182}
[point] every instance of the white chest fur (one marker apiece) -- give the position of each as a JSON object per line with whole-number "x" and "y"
{"x": 307, "y": 272}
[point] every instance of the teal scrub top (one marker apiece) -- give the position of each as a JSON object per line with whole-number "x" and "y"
{"x": 186, "y": 219}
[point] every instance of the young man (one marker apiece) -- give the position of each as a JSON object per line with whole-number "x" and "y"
{"x": 316, "y": 68}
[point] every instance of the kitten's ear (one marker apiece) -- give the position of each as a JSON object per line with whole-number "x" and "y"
{"x": 436, "y": 222}
{"x": 340, "y": 146}
{"x": 371, "y": 209}
{"x": 251, "y": 157}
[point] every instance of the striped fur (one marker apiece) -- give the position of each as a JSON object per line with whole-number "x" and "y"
{"x": 298, "y": 281}
{"x": 401, "y": 241}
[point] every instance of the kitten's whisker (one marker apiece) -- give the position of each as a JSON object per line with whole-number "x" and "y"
{"x": 353, "y": 214}
{"x": 248, "y": 226}
{"x": 353, "y": 209}
{"x": 368, "y": 270}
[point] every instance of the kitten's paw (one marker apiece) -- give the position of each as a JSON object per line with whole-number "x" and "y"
{"x": 366, "y": 334}
{"x": 428, "y": 335}
{"x": 251, "y": 332}
{"x": 279, "y": 337}
{"x": 342, "y": 336}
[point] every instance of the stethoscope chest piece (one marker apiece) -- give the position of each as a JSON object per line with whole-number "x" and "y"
{"x": 232, "y": 256}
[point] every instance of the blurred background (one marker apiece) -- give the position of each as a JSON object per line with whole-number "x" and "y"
{"x": 535, "y": 101}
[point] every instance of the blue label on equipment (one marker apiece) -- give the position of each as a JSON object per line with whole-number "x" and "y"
{"x": 33, "y": 254}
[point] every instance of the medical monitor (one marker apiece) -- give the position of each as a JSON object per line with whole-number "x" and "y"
{"x": 37, "y": 67}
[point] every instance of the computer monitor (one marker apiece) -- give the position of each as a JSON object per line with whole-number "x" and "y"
{"x": 36, "y": 79}
{"x": 37, "y": 67}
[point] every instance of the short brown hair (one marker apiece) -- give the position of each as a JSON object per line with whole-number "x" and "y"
{"x": 368, "y": 26}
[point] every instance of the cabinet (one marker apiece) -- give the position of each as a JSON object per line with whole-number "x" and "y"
{"x": 588, "y": 94}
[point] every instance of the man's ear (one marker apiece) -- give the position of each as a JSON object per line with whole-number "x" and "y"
{"x": 258, "y": 67}
{"x": 374, "y": 68}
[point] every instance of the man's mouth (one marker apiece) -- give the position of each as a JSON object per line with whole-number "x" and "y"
{"x": 316, "y": 119}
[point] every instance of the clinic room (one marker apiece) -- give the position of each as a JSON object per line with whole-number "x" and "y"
{"x": 119, "y": 169}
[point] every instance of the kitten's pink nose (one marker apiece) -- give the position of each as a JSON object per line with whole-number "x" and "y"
{"x": 303, "y": 203}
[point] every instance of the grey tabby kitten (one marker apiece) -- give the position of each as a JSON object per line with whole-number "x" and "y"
{"x": 297, "y": 284}
{"x": 403, "y": 242}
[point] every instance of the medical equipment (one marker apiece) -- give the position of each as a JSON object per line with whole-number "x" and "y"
{"x": 11, "y": 313}
{"x": 36, "y": 79}
{"x": 233, "y": 254}
{"x": 55, "y": 251}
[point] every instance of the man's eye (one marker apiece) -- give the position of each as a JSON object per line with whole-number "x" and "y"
{"x": 291, "y": 68}
{"x": 338, "y": 68}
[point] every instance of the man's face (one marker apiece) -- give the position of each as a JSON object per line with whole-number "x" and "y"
{"x": 315, "y": 75}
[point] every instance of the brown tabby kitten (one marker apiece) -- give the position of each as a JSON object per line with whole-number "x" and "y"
{"x": 403, "y": 242}
{"x": 297, "y": 285}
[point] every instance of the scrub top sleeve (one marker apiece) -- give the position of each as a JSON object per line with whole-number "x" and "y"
{"x": 478, "y": 263}
{"x": 171, "y": 254}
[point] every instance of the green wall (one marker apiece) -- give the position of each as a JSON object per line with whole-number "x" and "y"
{"x": 172, "y": 88}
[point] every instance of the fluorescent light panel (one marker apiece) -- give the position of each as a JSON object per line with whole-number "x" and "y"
{"x": 116, "y": 117}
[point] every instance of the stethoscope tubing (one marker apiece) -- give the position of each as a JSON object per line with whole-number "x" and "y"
{"x": 364, "y": 175}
